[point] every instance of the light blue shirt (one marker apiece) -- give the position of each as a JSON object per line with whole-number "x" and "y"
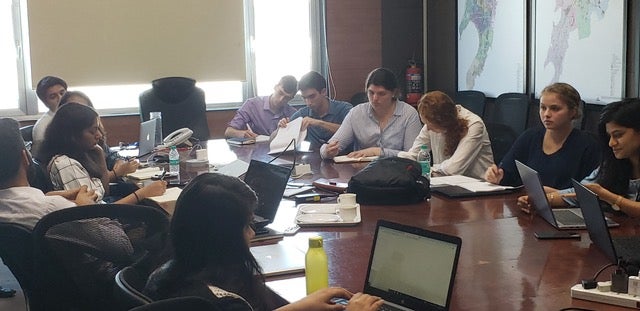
{"x": 361, "y": 128}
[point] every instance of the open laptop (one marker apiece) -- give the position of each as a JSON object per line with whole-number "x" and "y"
{"x": 412, "y": 268}
{"x": 625, "y": 248}
{"x": 561, "y": 218}
{"x": 268, "y": 181}
{"x": 146, "y": 142}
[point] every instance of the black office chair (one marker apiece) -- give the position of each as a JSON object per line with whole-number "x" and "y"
{"x": 511, "y": 109}
{"x": 128, "y": 290}
{"x": 358, "y": 98}
{"x": 27, "y": 133}
{"x": 188, "y": 303}
{"x": 39, "y": 177}
{"x": 474, "y": 101}
{"x": 16, "y": 252}
{"x": 79, "y": 250}
{"x": 181, "y": 103}
{"x": 502, "y": 138}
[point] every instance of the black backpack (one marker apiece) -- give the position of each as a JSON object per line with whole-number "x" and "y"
{"x": 390, "y": 181}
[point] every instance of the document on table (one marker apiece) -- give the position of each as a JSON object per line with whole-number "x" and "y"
{"x": 345, "y": 159}
{"x": 145, "y": 173}
{"x": 285, "y": 135}
{"x": 469, "y": 183}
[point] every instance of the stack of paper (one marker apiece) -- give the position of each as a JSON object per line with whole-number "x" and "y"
{"x": 167, "y": 201}
{"x": 344, "y": 159}
{"x": 469, "y": 183}
{"x": 145, "y": 173}
{"x": 285, "y": 135}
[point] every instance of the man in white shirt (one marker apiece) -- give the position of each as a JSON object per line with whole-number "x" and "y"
{"x": 49, "y": 89}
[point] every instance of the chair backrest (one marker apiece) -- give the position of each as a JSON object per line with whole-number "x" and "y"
{"x": 16, "y": 252}
{"x": 511, "y": 109}
{"x": 502, "y": 138}
{"x": 472, "y": 100}
{"x": 358, "y": 98}
{"x": 79, "y": 250}
{"x": 27, "y": 132}
{"x": 187, "y": 303}
{"x": 181, "y": 103}
{"x": 128, "y": 289}
{"x": 39, "y": 177}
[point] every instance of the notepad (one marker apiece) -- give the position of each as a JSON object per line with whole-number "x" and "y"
{"x": 458, "y": 186}
{"x": 285, "y": 135}
{"x": 167, "y": 201}
{"x": 344, "y": 159}
{"x": 145, "y": 173}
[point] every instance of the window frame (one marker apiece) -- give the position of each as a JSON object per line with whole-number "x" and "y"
{"x": 28, "y": 101}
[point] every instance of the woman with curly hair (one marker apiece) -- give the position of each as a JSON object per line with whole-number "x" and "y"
{"x": 457, "y": 138}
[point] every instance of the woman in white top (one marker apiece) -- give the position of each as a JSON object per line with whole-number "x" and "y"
{"x": 457, "y": 138}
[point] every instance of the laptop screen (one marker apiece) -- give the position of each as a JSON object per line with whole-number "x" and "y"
{"x": 412, "y": 267}
{"x": 268, "y": 181}
{"x": 535, "y": 190}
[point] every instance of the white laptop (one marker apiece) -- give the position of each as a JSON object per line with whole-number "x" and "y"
{"x": 146, "y": 141}
{"x": 278, "y": 259}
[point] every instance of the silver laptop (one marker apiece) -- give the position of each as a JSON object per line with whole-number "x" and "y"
{"x": 561, "y": 218}
{"x": 146, "y": 141}
{"x": 618, "y": 248}
{"x": 278, "y": 259}
{"x": 412, "y": 268}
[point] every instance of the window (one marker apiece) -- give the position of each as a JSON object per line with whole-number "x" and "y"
{"x": 281, "y": 39}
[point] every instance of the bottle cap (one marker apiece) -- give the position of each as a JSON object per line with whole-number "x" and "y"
{"x": 315, "y": 241}
{"x": 423, "y": 147}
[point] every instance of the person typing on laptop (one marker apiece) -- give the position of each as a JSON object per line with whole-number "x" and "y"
{"x": 211, "y": 231}
{"x": 617, "y": 180}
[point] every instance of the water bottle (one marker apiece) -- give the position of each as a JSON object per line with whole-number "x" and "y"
{"x": 158, "y": 116}
{"x": 424, "y": 158}
{"x": 316, "y": 266}
{"x": 174, "y": 161}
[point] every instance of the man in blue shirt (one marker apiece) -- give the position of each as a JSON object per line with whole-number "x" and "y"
{"x": 322, "y": 116}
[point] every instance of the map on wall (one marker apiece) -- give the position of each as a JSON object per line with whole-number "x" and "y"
{"x": 491, "y": 46}
{"x": 581, "y": 42}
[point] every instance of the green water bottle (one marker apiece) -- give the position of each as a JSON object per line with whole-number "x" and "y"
{"x": 316, "y": 266}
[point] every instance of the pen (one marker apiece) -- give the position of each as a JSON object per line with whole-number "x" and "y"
{"x": 164, "y": 173}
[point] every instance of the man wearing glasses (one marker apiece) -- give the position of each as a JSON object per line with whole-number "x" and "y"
{"x": 260, "y": 115}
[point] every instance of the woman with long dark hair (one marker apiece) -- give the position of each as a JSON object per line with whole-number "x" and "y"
{"x": 210, "y": 234}
{"x": 74, "y": 158}
{"x": 456, "y": 137}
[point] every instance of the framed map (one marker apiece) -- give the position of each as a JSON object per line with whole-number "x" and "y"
{"x": 581, "y": 42}
{"x": 492, "y": 46}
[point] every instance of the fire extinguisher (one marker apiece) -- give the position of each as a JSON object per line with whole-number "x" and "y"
{"x": 413, "y": 78}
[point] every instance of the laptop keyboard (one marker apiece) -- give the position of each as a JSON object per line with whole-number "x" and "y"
{"x": 387, "y": 307}
{"x": 567, "y": 217}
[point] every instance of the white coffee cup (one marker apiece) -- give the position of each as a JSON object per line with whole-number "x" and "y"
{"x": 202, "y": 155}
{"x": 347, "y": 200}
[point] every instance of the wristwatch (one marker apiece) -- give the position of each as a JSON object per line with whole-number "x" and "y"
{"x": 615, "y": 205}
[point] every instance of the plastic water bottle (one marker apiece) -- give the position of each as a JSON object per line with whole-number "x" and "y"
{"x": 424, "y": 158}
{"x": 174, "y": 161}
{"x": 316, "y": 266}
{"x": 158, "y": 116}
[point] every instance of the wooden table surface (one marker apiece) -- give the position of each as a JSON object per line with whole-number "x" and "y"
{"x": 502, "y": 265}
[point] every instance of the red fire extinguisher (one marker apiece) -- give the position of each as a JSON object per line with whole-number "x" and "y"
{"x": 413, "y": 79}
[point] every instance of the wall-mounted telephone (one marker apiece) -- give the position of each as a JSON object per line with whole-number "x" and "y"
{"x": 178, "y": 137}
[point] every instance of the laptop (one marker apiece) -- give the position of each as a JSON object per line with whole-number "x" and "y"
{"x": 146, "y": 142}
{"x": 268, "y": 181}
{"x": 561, "y": 218}
{"x": 278, "y": 259}
{"x": 625, "y": 248}
{"x": 412, "y": 268}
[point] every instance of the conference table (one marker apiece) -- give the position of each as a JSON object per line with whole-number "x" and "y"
{"x": 502, "y": 265}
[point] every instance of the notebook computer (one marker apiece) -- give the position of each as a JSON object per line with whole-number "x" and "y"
{"x": 412, "y": 268}
{"x": 625, "y": 248}
{"x": 561, "y": 218}
{"x": 278, "y": 259}
{"x": 268, "y": 181}
{"x": 146, "y": 141}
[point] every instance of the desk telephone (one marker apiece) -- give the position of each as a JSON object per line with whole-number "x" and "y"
{"x": 178, "y": 137}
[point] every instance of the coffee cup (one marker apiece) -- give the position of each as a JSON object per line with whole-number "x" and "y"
{"x": 347, "y": 200}
{"x": 202, "y": 155}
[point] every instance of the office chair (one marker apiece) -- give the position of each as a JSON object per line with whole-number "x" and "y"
{"x": 27, "y": 133}
{"x": 79, "y": 250}
{"x": 358, "y": 98}
{"x": 512, "y": 110}
{"x": 181, "y": 103}
{"x": 502, "y": 138}
{"x": 187, "y": 303}
{"x": 39, "y": 177}
{"x": 474, "y": 101}
{"x": 128, "y": 289}
{"x": 16, "y": 252}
